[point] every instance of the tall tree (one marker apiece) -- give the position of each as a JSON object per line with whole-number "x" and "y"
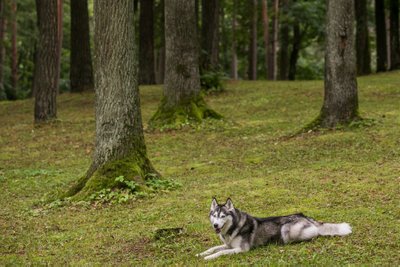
{"x": 47, "y": 62}
{"x": 12, "y": 94}
{"x": 272, "y": 57}
{"x": 362, "y": 38}
{"x": 340, "y": 100}
{"x": 252, "y": 71}
{"x": 380, "y": 30}
{"x": 234, "y": 63}
{"x": 160, "y": 52}
{"x": 81, "y": 70}
{"x": 296, "y": 45}
{"x": 265, "y": 19}
{"x": 3, "y": 95}
{"x": 120, "y": 148}
{"x": 210, "y": 35}
{"x": 182, "y": 101}
{"x": 146, "y": 43}
{"x": 394, "y": 35}
{"x": 284, "y": 41}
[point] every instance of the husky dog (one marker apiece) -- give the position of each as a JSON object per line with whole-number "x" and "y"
{"x": 240, "y": 232}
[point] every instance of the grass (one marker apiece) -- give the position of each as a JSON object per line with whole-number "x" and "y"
{"x": 349, "y": 175}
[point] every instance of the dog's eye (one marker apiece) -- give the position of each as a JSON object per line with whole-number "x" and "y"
{"x": 223, "y": 216}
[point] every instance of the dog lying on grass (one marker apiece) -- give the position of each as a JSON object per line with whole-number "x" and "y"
{"x": 241, "y": 232}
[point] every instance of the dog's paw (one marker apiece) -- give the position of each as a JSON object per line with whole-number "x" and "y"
{"x": 209, "y": 257}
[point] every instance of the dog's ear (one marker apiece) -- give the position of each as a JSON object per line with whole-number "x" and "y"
{"x": 214, "y": 203}
{"x": 229, "y": 204}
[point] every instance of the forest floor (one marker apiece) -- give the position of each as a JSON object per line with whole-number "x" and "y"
{"x": 347, "y": 175}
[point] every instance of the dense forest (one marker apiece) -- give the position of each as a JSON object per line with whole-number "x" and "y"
{"x": 274, "y": 40}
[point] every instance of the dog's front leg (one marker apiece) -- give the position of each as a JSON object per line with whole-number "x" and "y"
{"x": 211, "y": 250}
{"x": 224, "y": 252}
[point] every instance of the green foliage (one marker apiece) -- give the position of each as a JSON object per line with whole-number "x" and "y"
{"x": 212, "y": 81}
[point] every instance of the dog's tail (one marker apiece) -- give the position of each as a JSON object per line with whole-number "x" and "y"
{"x": 340, "y": 229}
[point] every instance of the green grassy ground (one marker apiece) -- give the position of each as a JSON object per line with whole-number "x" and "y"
{"x": 350, "y": 175}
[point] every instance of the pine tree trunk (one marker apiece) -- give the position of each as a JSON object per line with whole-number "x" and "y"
{"x": 47, "y": 63}
{"x": 12, "y": 95}
{"x": 160, "y": 61}
{"x": 146, "y": 43}
{"x": 380, "y": 29}
{"x": 120, "y": 148}
{"x": 294, "y": 56}
{"x": 81, "y": 70}
{"x": 264, "y": 12}
{"x": 284, "y": 42}
{"x": 394, "y": 35}
{"x": 210, "y": 35}
{"x": 252, "y": 72}
{"x": 362, "y": 38}
{"x": 272, "y": 58}
{"x": 234, "y": 63}
{"x": 340, "y": 100}
{"x": 182, "y": 102}
{"x": 3, "y": 95}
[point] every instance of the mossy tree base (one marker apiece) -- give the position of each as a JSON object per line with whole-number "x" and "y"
{"x": 174, "y": 117}
{"x": 131, "y": 168}
{"x": 322, "y": 122}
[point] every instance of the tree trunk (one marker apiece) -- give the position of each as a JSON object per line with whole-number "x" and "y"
{"x": 120, "y": 148}
{"x": 81, "y": 70}
{"x": 284, "y": 44}
{"x": 160, "y": 61}
{"x": 394, "y": 35}
{"x": 234, "y": 64}
{"x": 210, "y": 35}
{"x": 380, "y": 29}
{"x": 47, "y": 63}
{"x": 340, "y": 100}
{"x": 272, "y": 58}
{"x": 182, "y": 102}
{"x": 3, "y": 95}
{"x": 146, "y": 43}
{"x": 12, "y": 94}
{"x": 362, "y": 38}
{"x": 296, "y": 45}
{"x": 264, "y": 11}
{"x": 252, "y": 72}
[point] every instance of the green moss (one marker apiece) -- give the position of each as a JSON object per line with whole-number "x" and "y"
{"x": 193, "y": 111}
{"x": 133, "y": 168}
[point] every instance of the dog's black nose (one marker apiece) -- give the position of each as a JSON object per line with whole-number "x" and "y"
{"x": 215, "y": 225}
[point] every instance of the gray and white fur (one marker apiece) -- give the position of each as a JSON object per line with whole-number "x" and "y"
{"x": 241, "y": 232}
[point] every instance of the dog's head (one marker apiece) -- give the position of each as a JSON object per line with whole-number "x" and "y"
{"x": 221, "y": 215}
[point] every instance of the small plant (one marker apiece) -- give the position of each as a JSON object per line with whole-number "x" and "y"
{"x": 212, "y": 81}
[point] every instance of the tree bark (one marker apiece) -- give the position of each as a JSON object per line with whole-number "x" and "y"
{"x": 210, "y": 35}
{"x": 252, "y": 72}
{"x": 3, "y": 95}
{"x": 296, "y": 45}
{"x": 12, "y": 94}
{"x": 264, "y": 12}
{"x": 182, "y": 102}
{"x": 362, "y": 38}
{"x": 340, "y": 100}
{"x": 47, "y": 63}
{"x": 394, "y": 35}
{"x": 81, "y": 70}
{"x": 380, "y": 29}
{"x": 160, "y": 61}
{"x": 146, "y": 42}
{"x": 284, "y": 42}
{"x": 272, "y": 58}
{"x": 234, "y": 63}
{"x": 120, "y": 148}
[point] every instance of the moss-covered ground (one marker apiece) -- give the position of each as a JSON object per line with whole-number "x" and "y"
{"x": 350, "y": 175}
